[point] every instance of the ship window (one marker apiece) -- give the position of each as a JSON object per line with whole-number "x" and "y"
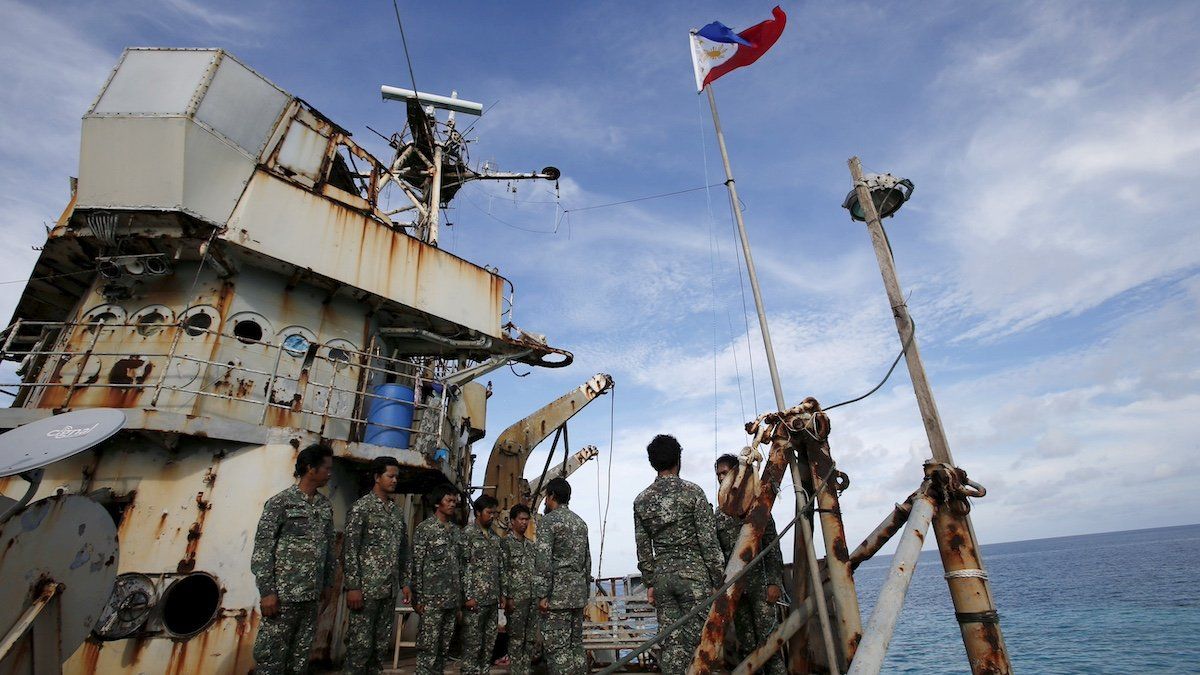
{"x": 248, "y": 331}
{"x": 339, "y": 355}
{"x": 151, "y": 323}
{"x": 296, "y": 344}
{"x": 198, "y": 323}
{"x": 190, "y": 604}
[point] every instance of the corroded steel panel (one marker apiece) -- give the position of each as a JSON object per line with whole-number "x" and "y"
{"x": 289, "y": 223}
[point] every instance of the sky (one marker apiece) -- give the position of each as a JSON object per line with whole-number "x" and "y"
{"x": 1047, "y": 254}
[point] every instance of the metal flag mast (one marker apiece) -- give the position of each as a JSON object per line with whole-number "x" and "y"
{"x": 804, "y": 535}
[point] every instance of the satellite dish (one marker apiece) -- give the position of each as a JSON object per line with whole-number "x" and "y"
{"x": 48, "y": 440}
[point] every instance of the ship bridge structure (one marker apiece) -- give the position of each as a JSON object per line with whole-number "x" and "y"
{"x": 226, "y": 276}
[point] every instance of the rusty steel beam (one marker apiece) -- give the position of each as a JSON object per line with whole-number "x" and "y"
{"x": 882, "y": 533}
{"x": 891, "y": 597}
{"x": 709, "y": 653}
{"x": 837, "y": 556}
{"x": 795, "y": 619}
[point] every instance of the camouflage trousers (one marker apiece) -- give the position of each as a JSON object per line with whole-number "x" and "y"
{"x": 285, "y": 640}
{"x": 433, "y": 639}
{"x": 479, "y": 638}
{"x": 754, "y": 622}
{"x": 522, "y": 631}
{"x": 369, "y": 636}
{"x": 673, "y": 597}
{"x": 562, "y": 635}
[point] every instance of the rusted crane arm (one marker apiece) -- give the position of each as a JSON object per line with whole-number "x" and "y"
{"x": 506, "y": 464}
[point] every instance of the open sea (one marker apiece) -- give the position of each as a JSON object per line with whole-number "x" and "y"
{"x": 1118, "y": 602}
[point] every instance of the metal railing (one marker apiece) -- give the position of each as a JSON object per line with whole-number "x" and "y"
{"x": 352, "y": 375}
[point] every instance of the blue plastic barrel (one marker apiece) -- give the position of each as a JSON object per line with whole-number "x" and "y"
{"x": 393, "y": 413}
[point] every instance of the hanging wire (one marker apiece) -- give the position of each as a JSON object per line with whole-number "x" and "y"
{"x": 612, "y": 415}
{"x": 912, "y": 334}
{"x": 48, "y": 276}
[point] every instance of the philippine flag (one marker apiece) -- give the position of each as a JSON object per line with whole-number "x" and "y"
{"x": 716, "y": 49}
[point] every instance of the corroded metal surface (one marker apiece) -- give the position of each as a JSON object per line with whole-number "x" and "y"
{"x": 778, "y": 433}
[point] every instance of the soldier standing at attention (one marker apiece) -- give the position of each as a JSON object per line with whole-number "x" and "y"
{"x": 517, "y": 588}
{"x": 562, "y": 582}
{"x": 755, "y": 617}
{"x": 483, "y": 577}
{"x": 435, "y": 578}
{"x": 677, "y": 549}
{"x": 375, "y": 546}
{"x": 293, "y": 565}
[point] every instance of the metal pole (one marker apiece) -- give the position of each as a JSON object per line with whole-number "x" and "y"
{"x": 969, "y": 589}
{"x": 891, "y": 597}
{"x": 803, "y": 542}
{"x": 837, "y": 555}
{"x": 435, "y": 196}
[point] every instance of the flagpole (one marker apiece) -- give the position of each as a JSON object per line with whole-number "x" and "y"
{"x": 804, "y": 537}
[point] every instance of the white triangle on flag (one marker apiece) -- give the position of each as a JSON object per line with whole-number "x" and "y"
{"x": 707, "y": 55}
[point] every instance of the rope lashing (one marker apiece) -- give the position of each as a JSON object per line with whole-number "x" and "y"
{"x": 967, "y": 574}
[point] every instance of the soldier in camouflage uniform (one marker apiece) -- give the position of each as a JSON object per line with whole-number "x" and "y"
{"x": 517, "y": 587}
{"x": 481, "y": 587}
{"x": 376, "y": 550}
{"x": 293, "y": 565}
{"x": 677, "y": 549}
{"x": 562, "y": 581}
{"x": 755, "y": 617}
{"x": 435, "y": 580}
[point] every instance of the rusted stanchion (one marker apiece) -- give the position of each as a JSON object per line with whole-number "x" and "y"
{"x": 973, "y": 604}
{"x": 837, "y": 556}
{"x": 882, "y": 533}
{"x": 780, "y": 431}
{"x": 891, "y": 597}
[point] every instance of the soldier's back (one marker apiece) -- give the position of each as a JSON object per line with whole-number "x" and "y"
{"x": 668, "y": 509}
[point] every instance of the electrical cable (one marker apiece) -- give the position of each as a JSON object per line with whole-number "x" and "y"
{"x": 612, "y": 414}
{"x": 911, "y": 335}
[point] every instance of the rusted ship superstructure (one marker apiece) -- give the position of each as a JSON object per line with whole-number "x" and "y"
{"x": 226, "y": 276}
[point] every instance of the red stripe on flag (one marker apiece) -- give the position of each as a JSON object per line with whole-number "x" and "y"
{"x": 763, "y": 36}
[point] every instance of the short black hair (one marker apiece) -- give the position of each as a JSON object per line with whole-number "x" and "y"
{"x": 560, "y": 489}
{"x": 437, "y": 492}
{"x": 312, "y": 457}
{"x": 664, "y": 452}
{"x": 518, "y": 510}
{"x": 380, "y": 464}
{"x": 484, "y": 502}
{"x": 728, "y": 460}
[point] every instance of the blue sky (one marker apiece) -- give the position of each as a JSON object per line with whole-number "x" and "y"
{"x": 1048, "y": 248}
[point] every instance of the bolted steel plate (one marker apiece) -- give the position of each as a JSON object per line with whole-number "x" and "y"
{"x": 34, "y": 445}
{"x": 68, "y": 539}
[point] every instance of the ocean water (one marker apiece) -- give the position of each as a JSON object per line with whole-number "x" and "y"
{"x": 1119, "y": 602}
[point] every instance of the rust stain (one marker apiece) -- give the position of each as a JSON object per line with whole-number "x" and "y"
{"x": 839, "y": 549}
{"x": 91, "y": 655}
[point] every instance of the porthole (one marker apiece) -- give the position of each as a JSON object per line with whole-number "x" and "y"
{"x": 340, "y": 352}
{"x": 248, "y": 331}
{"x": 296, "y": 344}
{"x": 151, "y": 320}
{"x": 198, "y": 323}
{"x": 190, "y": 604}
{"x": 103, "y": 315}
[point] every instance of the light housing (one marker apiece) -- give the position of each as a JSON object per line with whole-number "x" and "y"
{"x": 887, "y": 192}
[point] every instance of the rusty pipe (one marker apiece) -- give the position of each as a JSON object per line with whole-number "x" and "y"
{"x": 882, "y": 533}
{"x": 891, "y": 597}
{"x": 708, "y": 654}
{"x": 837, "y": 557}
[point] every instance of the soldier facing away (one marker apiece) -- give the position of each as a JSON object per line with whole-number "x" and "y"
{"x": 755, "y": 616}
{"x": 562, "y": 581}
{"x": 376, "y": 550}
{"x": 293, "y": 565}
{"x": 484, "y": 575}
{"x": 677, "y": 549}
{"x": 435, "y": 579}
{"x": 517, "y": 587}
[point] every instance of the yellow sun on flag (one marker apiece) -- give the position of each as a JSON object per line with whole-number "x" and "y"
{"x": 716, "y": 52}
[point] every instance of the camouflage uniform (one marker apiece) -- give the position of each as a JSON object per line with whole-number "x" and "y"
{"x": 755, "y": 617}
{"x": 435, "y": 578}
{"x": 376, "y": 546}
{"x": 517, "y": 584}
{"x": 563, "y": 576}
{"x": 484, "y": 576}
{"x": 293, "y": 558}
{"x": 679, "y": 557}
